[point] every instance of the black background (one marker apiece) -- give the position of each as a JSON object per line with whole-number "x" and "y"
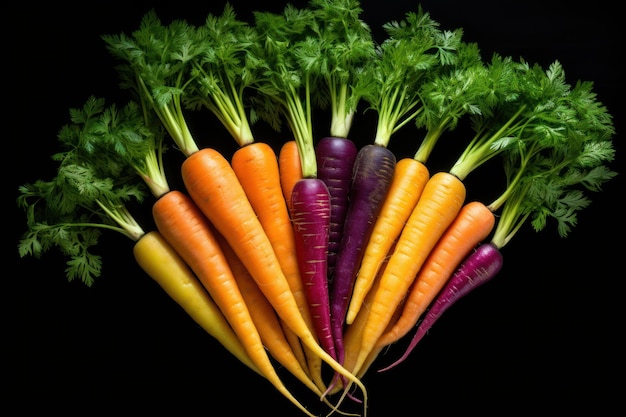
{"x": 544, "y": 335}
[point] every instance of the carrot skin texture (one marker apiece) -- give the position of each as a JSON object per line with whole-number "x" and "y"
{"x": 265, "y": 319}
{"x": 472, "y": 225}
{"x": 183, "y": 225}
{"x": 256, "y": 167}
{"x": 335, "y": 159}
{"x": 438, "y": 206}
{"x": 214, "y": 187}
{"x": 310, "y": 214}
{"x": 409, "y": 178}
{"x": 290, "y": 168}
{"x": 478, "y": 268}
{"x": 163, "y": 264}
{"x": 372, "y": 174}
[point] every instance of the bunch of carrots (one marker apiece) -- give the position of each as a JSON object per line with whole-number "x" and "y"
{"x": 313, "y": 257}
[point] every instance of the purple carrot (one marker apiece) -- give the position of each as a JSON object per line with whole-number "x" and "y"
{"x": 335, "y": 159}
{"x": 372, "y": 173}
{"x": 310, "y": 213}
{"x": 478, "y": 268}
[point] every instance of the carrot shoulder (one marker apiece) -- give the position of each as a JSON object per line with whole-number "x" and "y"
{"x": 290, "y": 168}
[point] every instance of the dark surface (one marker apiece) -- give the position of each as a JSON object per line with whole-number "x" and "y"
{"x": 544, "y": 335}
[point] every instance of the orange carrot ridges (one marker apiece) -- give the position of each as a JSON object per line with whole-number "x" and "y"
{"x": 212, "y": 183}
{"x": 473, "y": 224}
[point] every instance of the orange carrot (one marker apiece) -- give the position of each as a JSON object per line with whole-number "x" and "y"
{"x": 474, "y": 223}
{"x": 267, "y": 199}
{"x": 213, "y": 185}
{"x": 184, "y": 226}
{"x": 408, "y": 182}
{"x": 290, "y": 168}
{"x": 265, "y": 318}
{"x": 438, "y": 206}
{"x": 256, "y": 167}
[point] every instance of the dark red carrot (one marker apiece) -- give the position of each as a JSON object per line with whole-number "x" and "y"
{"x": 335, "y": 159}
{"x": 478, "y": 268}
{"x": 372, "y": 174}
{"x": 310, "y": 214}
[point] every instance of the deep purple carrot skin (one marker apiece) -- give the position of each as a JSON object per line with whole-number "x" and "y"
{"x": 335, "y": 159}
{"x": 372, "y": 173}
{"x": 478, "y": 268}
{"x": 310, "y": 213}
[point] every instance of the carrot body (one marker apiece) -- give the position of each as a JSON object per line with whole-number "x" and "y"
{"x": 290, "y": 168}
{"x": 257, "y": 169}
{"x": 408, "y": 182}
{"x": 213, "y": 185}
{"x": 473, "y": 224}
{"x": 184, "y": 226}
{"x": 163, "y": 264}
{"x": 436, "y": 209}
{"x": 265, "y": 319}
{"x": 310, "y": 213}
{"x": 372, "y": 175}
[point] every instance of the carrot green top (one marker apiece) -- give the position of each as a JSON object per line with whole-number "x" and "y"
{"x": 415, "y": 49}
{"x": 285, "y": 89}
{"x": 336, "y": 53}
{"x": 92, "y": 186}
{"x": 223, "y": 70}
{"x": 156, "y": 66}
{"x": 555, "y": 141}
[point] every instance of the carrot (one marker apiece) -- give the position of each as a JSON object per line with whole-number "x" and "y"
{"x": 213, "y": 185}
{"x": 184, "y": 226}
{"x": 408, "y": 181}
{"x": 290, "y": 168}
{"x": 256, "y": 167}
{"x": 474, "y": 223}
{"x": 436, "y": 209}
{"x": 280, "y": 94}
{"x": 265, "y": 319}
{"x": 163, "y": 264}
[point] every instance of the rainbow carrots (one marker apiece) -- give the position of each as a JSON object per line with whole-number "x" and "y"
{"x": 454, "y": 91}
{"x": 471, "y": 226}
{"x": 325, "y": 253}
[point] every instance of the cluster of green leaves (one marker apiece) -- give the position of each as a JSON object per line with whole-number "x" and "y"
{"x": 415, "y": 50}
{"x": 98, "y": 175}
{"x": 554, "y": 140}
